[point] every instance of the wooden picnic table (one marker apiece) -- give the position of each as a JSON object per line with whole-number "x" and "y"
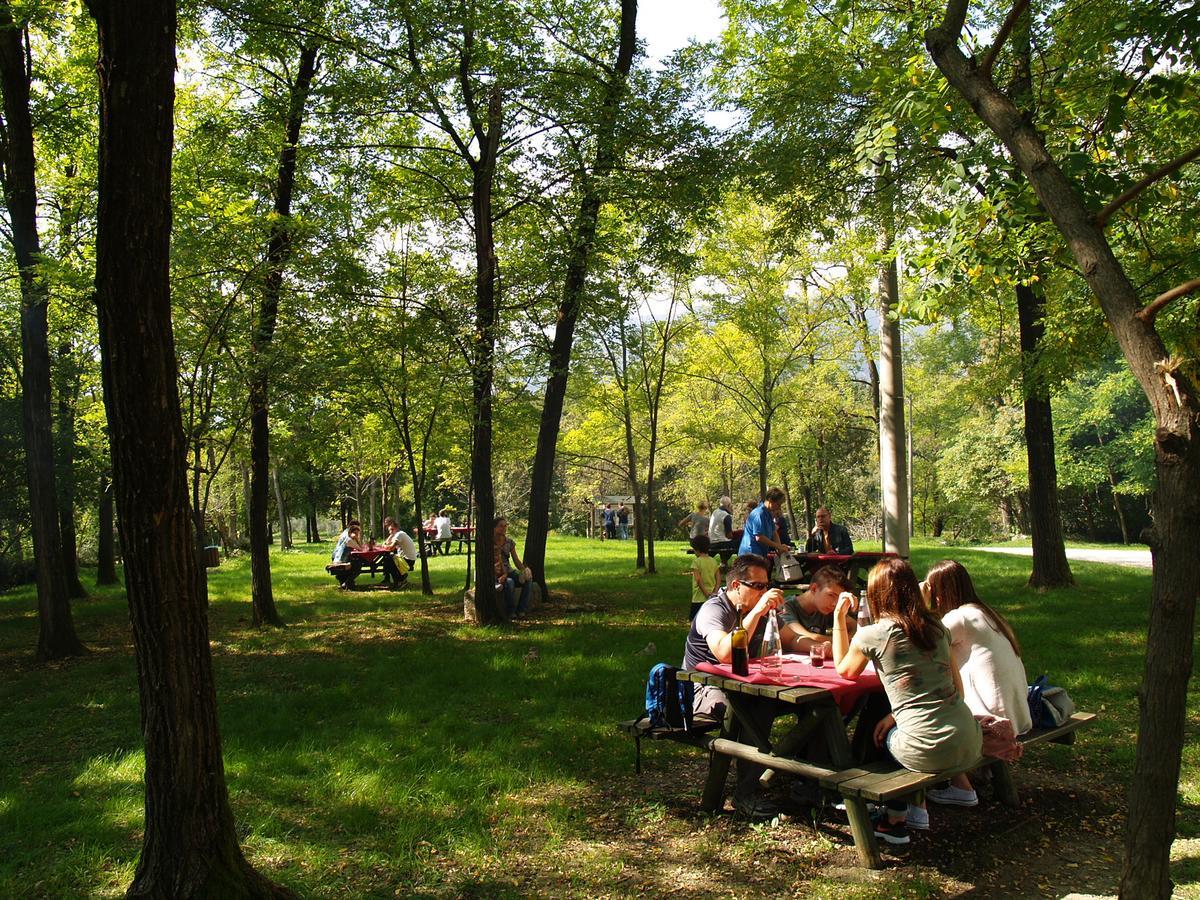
{"x": 819, "y": 698}
{"x": 370, "y": 559}
{"x": 854, "y": 565}
{"x": 464, "y": 534}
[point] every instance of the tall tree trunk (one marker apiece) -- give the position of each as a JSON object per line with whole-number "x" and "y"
{"x": 620, "y": 372}
{"x": 199, "y": 534}
{"x": 1050, "y": 566}
{"x": 190, "y": 845}
{"x": 1162, "y": 697}
{"x": 65, "y": 476}
{"x": 285, "y": 525}
{"x": 279, "y": 250}
{"x": 574, "y": 290}
{"x": 56, "y": 629}
{"x": 106, "y": 566}
{"x": 764, "y": 447}
{"x": 487, "y": 601}
{"x": 893, "y": 469}
{"x": 310, "y": 513}
{"x": 1116, "y": 498}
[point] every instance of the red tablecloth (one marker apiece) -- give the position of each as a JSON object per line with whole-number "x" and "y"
{"x": 795, "y": 673}
{"x": 369, "y": 554}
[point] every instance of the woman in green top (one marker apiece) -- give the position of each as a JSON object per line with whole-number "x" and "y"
{"x": 930, "y": 728}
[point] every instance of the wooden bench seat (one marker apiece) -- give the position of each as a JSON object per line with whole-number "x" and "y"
{"x": 870, "y": 783}
{"x": 640, "y": 728}
{"x": 880, "y": 782}
{"x": 340, "y": 571}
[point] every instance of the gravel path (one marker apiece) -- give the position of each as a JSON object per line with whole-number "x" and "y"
{"x": 1137, "y": 558}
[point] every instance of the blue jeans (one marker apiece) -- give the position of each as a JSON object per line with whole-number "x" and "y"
{"x": 511, "y": 582}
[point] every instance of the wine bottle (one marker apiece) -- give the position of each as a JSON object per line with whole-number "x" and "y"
{"x": 739, "y": 643}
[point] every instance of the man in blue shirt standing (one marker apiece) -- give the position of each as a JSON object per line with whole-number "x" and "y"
{"x": 759, "y": 535}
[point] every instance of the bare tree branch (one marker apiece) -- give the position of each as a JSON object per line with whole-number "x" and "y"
{"x": 1174, "y": 165}
{"x": 989, "y": 58}
{"x": 1154, "y": 307}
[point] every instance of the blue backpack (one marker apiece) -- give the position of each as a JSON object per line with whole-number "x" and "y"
{"x": 1037, "y": 703}
{"x": 668, "y": 702}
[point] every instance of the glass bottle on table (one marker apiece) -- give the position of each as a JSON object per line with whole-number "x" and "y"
{"x": 772, "y": 645}
{"x": 864, "y": 610}
{"x": 739, "y": 643}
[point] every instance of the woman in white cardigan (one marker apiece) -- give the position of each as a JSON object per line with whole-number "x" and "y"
{"x": 987, "y": 655}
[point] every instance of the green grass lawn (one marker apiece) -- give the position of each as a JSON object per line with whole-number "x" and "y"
{"x": 379, "y": 746}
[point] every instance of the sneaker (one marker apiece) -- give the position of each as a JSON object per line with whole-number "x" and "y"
{"x": 873, "y": 809}
{"x": 804, "y": 793}
{"x": 756, "y": 810}
{"x": 892, "y": 832}
{"x": 918, "y": 818}
{"x": 953, "y": 796}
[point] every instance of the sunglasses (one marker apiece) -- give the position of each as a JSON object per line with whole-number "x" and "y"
{"x": 755, "y": 585}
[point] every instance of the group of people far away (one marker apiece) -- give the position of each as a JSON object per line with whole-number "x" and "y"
{"x": 396, "y": 564}
{"x": 766, "y": 530}
{"x": 615, "y": 521}
{"x": 947, "y": 661}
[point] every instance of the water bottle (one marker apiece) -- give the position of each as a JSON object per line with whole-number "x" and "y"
{"x": 772, "y": 646}
{"x": 864, "y": 610}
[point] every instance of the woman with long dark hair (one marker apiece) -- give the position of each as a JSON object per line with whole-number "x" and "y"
{"x": 930, "y": 728}
{"x": 986, "y": 654}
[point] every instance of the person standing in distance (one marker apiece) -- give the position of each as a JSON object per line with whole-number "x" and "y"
{"x": 759, "y": 536}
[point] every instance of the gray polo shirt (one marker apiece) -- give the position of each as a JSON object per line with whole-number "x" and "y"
{"x": 795, "y": 614}
{"x": 717, "y": 614}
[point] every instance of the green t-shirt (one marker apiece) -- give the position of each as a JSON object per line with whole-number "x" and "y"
{"x": 935, "y": 729}
{"x": 709, "y": 568}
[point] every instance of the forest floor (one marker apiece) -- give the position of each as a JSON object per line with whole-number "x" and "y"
{"x": 379, "y": 746}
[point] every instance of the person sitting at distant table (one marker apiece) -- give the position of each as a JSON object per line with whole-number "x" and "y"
{"x": 782, "y": 529}
{"x": 445, "y": 533}
{"x": 400, "y": 542}
{"x": 829, "y": 537}
{"x": 759, "y": 536}
{"x": 807, "y": 618}
{"x": 720, "y": 523}
{"x": 348, "y": 540}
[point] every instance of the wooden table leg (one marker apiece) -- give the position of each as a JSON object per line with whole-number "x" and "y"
{"x": 718, "y": 766}
{"x": 856, "y": 808}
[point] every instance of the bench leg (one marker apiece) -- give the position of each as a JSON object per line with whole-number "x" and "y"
{"x": 864, "y": 833}
{"x": 1003, "y": 784}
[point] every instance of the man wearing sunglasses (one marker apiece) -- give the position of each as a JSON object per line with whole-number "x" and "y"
{"x": 747, "y": 596}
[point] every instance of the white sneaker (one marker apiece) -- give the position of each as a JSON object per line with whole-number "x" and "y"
{"x": 953, "y": 796}
{"x": 918, "y": 818}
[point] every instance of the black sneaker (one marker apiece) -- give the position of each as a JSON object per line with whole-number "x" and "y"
{"x": 757, "y": 810}
{"x": 892, "y": 832}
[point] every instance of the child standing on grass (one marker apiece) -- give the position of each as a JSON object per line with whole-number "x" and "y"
{"x": 706, "y": 574}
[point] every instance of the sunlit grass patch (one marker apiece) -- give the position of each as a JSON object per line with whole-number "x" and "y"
{"x": 380, "y": 744}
